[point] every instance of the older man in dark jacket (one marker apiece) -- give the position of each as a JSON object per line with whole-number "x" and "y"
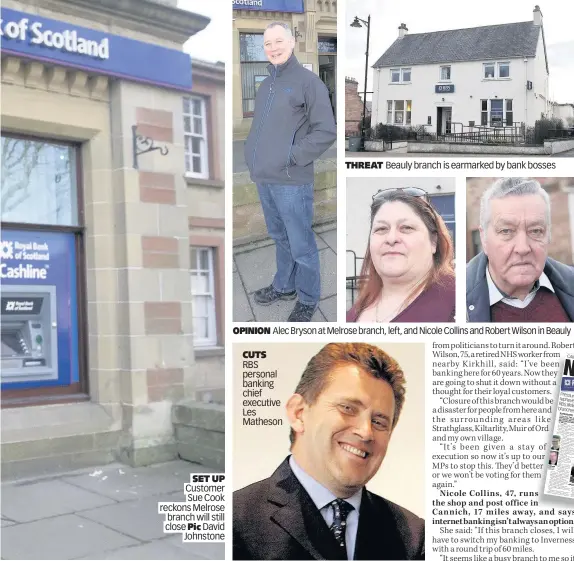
{"x": 292, "y": 126}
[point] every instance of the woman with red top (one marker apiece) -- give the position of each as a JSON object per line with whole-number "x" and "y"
{"x": 407, "y": 273}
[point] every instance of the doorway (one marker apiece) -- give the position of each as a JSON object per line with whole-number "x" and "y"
{"x": 443, "y": 121}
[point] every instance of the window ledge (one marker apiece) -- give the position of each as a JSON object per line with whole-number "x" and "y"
{"x": 216, "y": 183}
{"x": 400, "y": 83}
{"x": 206, "y": 352}
{"x": 496, "y": 79}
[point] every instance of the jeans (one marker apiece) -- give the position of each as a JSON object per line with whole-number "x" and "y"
{"x": 288, "y": 211}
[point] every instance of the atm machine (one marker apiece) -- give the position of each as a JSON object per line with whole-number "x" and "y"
{"x": 29, "y": 333}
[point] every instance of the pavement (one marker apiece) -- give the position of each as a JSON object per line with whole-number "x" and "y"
{"x": 107, "y": 512}
{"x": 254, "y": 267}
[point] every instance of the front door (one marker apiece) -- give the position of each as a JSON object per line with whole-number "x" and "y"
{"x": 447, "y": 119}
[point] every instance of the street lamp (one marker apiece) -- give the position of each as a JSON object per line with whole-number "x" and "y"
{"x": 358, "y": 22}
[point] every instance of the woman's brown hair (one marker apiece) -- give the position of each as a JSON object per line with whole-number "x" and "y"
{"x": 370, "y": 284}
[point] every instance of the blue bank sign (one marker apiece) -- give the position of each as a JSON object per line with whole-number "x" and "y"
{"x": 292, "y": 6}
{"x": 444, "y": 88}
{"x": 49, "y": 40}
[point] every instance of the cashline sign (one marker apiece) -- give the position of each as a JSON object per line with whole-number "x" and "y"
{"x": 285, "y": 6}
{"x": 38, "y": 309}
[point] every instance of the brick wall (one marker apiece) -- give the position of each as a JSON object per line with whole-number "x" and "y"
{"x": 353, "y": 107}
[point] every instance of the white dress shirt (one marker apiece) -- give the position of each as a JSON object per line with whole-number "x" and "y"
{"x": 495, "y": 295}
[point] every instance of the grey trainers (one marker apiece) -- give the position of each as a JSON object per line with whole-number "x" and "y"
{"x": 302, "y": 312}
{"x": 268, "y": 295}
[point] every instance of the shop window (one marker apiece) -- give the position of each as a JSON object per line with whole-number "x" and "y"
{"x": 203, "y": 296}
{"x": 509, "y": 116}
{"x": 444, "y": 73}
{"x": 253, "y": 68}
{"x": 484, "y": 112}
{"x": 38, "y": 182}
{"x": 399, "y": 112}
{"x": 195, "y": 135}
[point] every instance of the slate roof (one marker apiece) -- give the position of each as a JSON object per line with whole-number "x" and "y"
{"x": 491, "y": 42}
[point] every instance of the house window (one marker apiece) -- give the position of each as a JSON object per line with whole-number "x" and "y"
{"x": 399, "y": 112}
{"x": 484, "y": 112}
{"x": 504, "y": 70}
{"x": 400, "y": 75}
{"x": 203, "y": 296}
{"x": 496, "y": 112}
{"x": 489, "y": 71}
{"x": 444, "y": 73}
{"x": 493, "y": 71}
{"x": 195, "y": 135}
{"x": 509, "y": 117}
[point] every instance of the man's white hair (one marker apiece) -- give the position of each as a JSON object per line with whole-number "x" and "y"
{"x": 511, "y": 186}
{"x": 280, "y": 24}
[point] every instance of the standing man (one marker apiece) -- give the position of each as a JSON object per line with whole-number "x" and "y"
{"x": 292, "y": 126}
{"x": 315, "y": 505}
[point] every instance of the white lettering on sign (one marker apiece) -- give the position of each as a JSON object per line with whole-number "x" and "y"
{"x": 67, "y": 40}
{"x": 23, "y": 272}
{"x": 29, "y": 251}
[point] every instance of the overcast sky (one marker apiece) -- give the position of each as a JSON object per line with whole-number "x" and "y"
{"x": 214, "y": 42}
{"x": 422, "y": 16}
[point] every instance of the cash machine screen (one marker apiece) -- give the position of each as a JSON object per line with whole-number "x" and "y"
{"x": 29, "y": 346}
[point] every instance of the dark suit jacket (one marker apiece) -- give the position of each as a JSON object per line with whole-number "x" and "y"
{"x": 277, "y": 519}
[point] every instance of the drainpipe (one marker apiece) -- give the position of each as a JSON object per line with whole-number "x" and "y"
{"x": 525, "y": 92}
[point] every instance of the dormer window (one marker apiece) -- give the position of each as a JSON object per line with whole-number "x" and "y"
{"x": 496, "y": 70}
{"x": 400, "y": 75}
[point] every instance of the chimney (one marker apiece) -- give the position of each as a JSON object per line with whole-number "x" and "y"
{"x": 402, "y": 30}
{"x": 537, "y": 15}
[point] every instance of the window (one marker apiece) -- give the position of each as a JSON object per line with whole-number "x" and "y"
{"x": 203, "y": 296}
{"x": 489, "y": 71}
{"x": 445, "y": 73}
{"x": 493, "y": 71}
{"x": 195, "y": 135}
{"x": 399, "y": 112}
{"x": 504, "y": 70}
{"x": 496, "y": 112}
{"x": 253, "y": 64}
{"x": 38, "y": 182}
{"x": 509, "y": 117}
{"x": 400, "y": 75}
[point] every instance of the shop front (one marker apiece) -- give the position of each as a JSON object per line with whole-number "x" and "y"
{"x": 95, "y": 267}
{"x": 314, "y": 26}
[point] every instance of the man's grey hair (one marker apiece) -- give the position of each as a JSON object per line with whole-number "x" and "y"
{"x": 280, "y": 24}
{"x": 511, "y": 186}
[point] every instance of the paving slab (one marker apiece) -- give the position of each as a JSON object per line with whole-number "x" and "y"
{"x": 278, "y": 311}
{"x": 124, "y": 483}
{"x": 205, "y": 550}
{"x": 257, "y": 267}
{"x": 27, "y": 501}
{"x": 137, "y": 519}
{"x": 241, "y": 309}
{"x": 329, "y": 308}
{"x": 157, "y": 549}
{"x": 61, "y": 537}
{"x": 328, "y": 263}
{"x": 330, "y": 238}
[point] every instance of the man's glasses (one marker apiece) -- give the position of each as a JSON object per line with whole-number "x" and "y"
{"x": 411, "y": 191}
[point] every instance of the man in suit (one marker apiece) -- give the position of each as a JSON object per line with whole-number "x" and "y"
{"x": 315, "y": 505}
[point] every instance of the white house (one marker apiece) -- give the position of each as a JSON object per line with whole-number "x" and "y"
{"x": 494, "y": 76}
